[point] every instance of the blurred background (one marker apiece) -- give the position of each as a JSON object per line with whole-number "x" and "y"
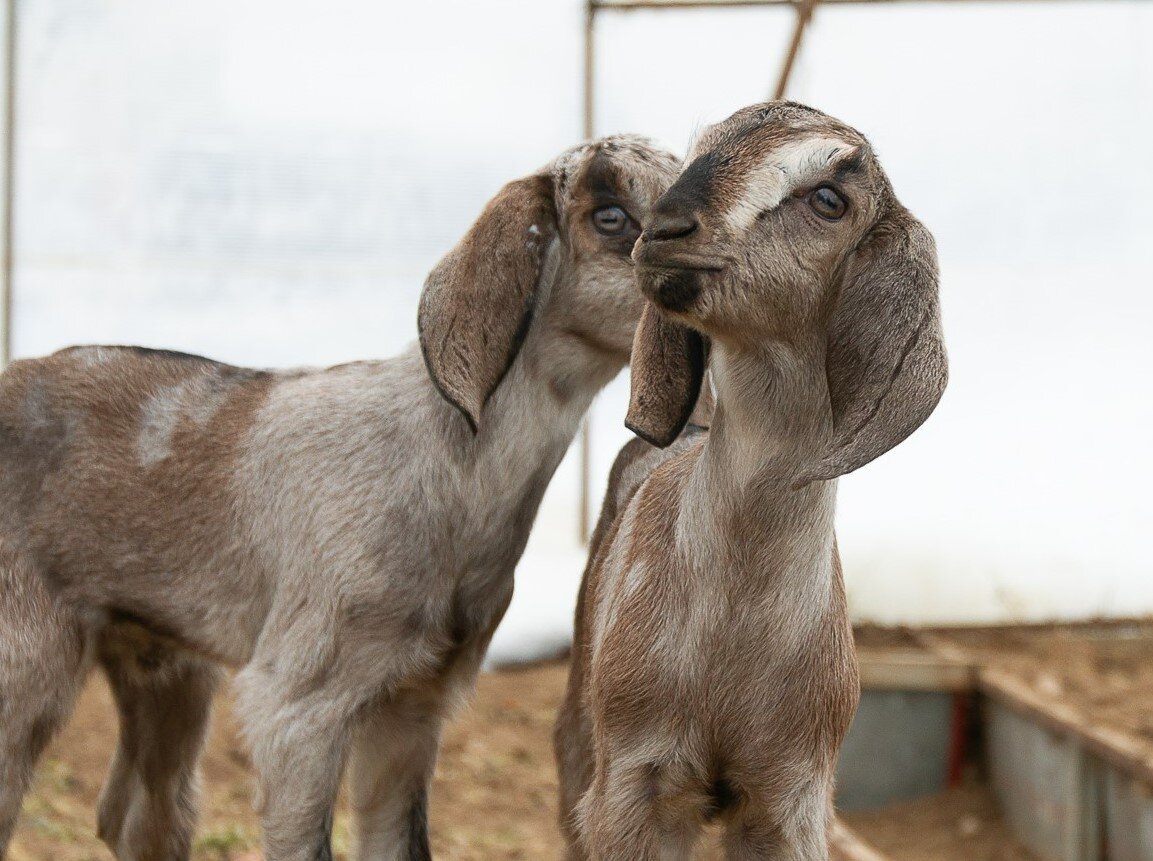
{"x": 267, "y": 182}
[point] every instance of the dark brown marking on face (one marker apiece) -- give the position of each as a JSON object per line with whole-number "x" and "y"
{"x": 722, "y": 798}
{"x": 593, "y": 299}
{"x": 853, "y": 164}
{"x": 604, "y": 183}
{"x": 693, "y": 189}
{"x": 602, "y": 180}
{"x": 740, "y": 144}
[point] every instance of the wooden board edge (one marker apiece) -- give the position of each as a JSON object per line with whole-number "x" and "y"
{"x": 907, "y": 669}
{"x": 846, "y": 845}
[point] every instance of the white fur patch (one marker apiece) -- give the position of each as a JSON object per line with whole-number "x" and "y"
{"x": 197, "y": 400}
{"x": 618, "y": 582}
{"x": 158, "y": 420}
{"x": 787, "y": 168}
{"x": 93, "y": 356}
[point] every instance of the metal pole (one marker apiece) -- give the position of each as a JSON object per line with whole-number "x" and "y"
{"x": 6, "y": 191}
{"x": 630, "y": 5}
{"x": 804, "y": 15}
{"x": 584, "y": 516}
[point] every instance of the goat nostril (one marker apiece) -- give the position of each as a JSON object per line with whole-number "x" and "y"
{"x": 671, "y": 227}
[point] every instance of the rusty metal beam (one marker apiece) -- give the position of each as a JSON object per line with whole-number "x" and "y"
{"x": 625, "y": 5}
{"x": 588, "y": 130}
{"x": 804, "y": 16}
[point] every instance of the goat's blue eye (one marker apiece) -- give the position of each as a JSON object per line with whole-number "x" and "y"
{"x": 827, "y": 203}
{"x": 610, "y": 220}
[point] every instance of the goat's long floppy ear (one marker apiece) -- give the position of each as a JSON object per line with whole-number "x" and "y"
{"x": 667, "y": 366}
{"x": 886, "y": 362}
{"x": 478, "y": 301}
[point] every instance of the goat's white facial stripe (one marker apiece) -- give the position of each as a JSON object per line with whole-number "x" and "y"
{"x": 782, "y": 172}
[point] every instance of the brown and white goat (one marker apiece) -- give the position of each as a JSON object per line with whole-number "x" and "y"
{"x": 713, "y": 673}
{"x": 346, "y": 537}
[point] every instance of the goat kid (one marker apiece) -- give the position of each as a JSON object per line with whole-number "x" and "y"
{"x": 713, "y": 672}
{"x": 346, "y": 537}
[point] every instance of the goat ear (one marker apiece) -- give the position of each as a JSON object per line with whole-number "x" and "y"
{"x": 478, "y": 301}
{"x": 668, "y": 364}
{"x": 886, "y": 362}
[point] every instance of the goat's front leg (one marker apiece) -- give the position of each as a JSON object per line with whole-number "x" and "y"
{"x": 573, "y": 750}
{"x": 763, "y": 830}
{"x": 393, "y": 757}
{"x": 636, "y": 813}
{"x": 148, "y": 806}
{"x": 298, "y": 735}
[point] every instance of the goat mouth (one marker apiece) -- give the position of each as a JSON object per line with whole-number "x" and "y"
{"x": 649, "y": 258}
{"x": 672, "y": 289}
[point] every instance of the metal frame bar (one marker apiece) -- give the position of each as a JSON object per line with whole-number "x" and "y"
{"x": 7, "y": 189}
{"x": 626, "y": 5}
{"x": 804, "y": 16}
{"x": 584, "y": 515}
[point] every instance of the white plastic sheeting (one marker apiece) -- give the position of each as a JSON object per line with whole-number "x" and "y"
{"x": 268, "y": 181}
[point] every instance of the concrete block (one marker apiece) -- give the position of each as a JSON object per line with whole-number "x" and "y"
{"x": 897, "y": 748}
{"x": 1045, "y": 783}
{"x": 1128, "y": 813}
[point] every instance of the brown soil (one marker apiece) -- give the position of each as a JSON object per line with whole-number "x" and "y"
{"x": 494, "y": 794}
{"x": 1102, "y": 671}
{"x": 493, "y": 798}
{"x": 961, "y": 824}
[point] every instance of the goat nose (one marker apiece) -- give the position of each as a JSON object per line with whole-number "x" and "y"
{"x": 671, "y": 226}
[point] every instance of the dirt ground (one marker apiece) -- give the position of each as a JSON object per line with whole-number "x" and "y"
{"x": 495, "y": 788}
{"x": 493, "y": 798}
{"x": 961, "y": 824}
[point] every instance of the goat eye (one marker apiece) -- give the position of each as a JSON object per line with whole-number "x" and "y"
{"x": 827, "y": 203}
{"x": 610, "y": 220}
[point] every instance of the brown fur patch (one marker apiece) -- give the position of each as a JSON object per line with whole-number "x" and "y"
{"x": 73, "y": 428}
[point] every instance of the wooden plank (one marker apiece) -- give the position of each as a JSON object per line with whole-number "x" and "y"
{"x": 847, "y": 846}
{"x": 897, "y": 669}
{"x": 945, "y": 648}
